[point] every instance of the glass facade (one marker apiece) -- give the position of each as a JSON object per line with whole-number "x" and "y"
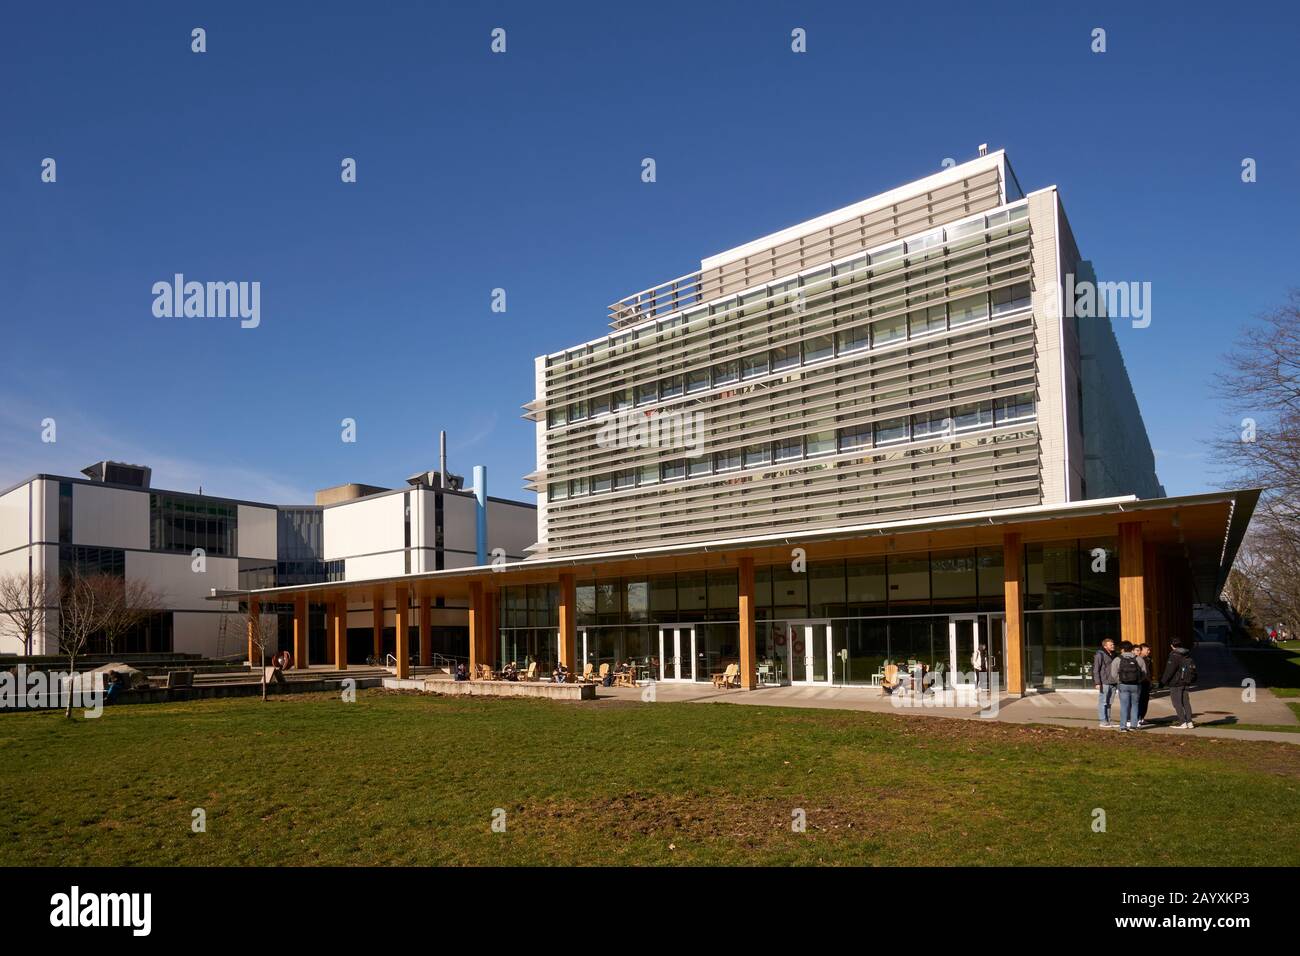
{"x": 1071, "y": 604}
{"x": 878, "y": 609}
{"x": 180, "y": 524}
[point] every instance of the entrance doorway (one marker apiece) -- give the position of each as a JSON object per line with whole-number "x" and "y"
{"x": 802, "y": 651}
{"x": 976, "y": 644}
{"x": 677, "y": 652}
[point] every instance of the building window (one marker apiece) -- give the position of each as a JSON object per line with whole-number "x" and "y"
{"x": 818, "y": 347}
{"x": 891, "y": 430}
{"x": 673, "y": 470}
{"x": 972, "y": 308}
{"x": 757, "y": 455}
{"x": 853, "y": 340}
{"x": 889, "y": 330}
{"x": 973, "y": 415}
{"x": 724, "y": 373}
{"x": 788, "y": 449}
{"x": 820, "y": 443}
{"x": 701, "y": 465}
{"x": 181, "y": 524}
{"x": 65, "y": 512}
{"x": 1011, "y": 298}
{"x": 784, "y": 357}
{"x": 754, "y": 366}
{"x": 726, "y": 460}
{"x": 855, "y": 437}
{"x": 1017, "y": 408}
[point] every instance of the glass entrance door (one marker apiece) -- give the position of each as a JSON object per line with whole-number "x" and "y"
{"x": 677, "y": 652}
{"x": 964, "y": 641}
{"x": 804, "y": 650}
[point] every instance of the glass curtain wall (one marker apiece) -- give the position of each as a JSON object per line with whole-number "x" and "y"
{"x": 1071, "y": 604}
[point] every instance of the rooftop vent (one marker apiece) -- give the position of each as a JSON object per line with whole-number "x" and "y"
{"x": 119, "y": 473}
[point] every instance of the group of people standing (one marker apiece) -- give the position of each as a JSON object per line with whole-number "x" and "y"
{"x": 1127, "y": 674}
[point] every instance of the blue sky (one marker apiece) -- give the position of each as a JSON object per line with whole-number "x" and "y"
{"x": 522, "y": 171}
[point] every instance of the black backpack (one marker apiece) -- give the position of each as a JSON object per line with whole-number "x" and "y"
{"x": 1187, "y": 669}
{"x": 1130, "y": 671}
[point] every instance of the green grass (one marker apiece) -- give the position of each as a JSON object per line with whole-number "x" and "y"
{"x": 408, "y": 779}
{"x": 1276, "y": 667}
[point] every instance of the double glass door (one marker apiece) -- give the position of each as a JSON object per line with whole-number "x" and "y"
{"x": 803, "y": 651}
{"x": 976, "y": 643}
{"x": 677, "y": 652}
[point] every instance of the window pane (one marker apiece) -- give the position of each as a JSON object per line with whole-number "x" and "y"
{"x": 889, "y": 330}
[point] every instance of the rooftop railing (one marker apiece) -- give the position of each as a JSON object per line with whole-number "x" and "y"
{"x": 657, "y": 300}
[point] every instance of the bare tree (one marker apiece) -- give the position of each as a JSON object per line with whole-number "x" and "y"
{"x": 23, "y": 602}
{"x": 1261, "y": 382}
{"x": 85, "y": 604}
{"x": 262, "y": 631}
{"x": 129, "y": 607}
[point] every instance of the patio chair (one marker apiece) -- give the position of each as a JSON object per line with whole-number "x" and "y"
{"x": 587, "y": 673}
{"x": 531, "y": 673}
{"x": 727, "y": 678}
{"x": 625, "y": 678}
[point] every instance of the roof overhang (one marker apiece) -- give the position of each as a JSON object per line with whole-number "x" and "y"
{"x": 1206, "y": 529}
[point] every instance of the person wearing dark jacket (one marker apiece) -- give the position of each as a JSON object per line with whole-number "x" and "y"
{"x": 1102, "y": 681}
{"x": 1179, "y": 676}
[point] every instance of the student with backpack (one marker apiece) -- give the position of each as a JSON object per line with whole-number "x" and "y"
{"x": 1179, "y": 676}
{"x": 1128, "y": 671}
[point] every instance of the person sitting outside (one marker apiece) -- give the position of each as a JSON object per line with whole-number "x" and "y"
{"x": 511, "y": 672}
{"x": 461, "y": 672}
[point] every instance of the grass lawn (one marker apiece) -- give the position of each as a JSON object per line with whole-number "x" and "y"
{"x": 410, "y": 779}
{"x": 1277, "y": 667}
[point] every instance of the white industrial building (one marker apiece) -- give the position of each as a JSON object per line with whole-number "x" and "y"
{"x": 111, "y": 519}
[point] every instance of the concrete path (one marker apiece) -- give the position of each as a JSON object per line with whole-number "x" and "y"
{"x": 1216, "y": 703}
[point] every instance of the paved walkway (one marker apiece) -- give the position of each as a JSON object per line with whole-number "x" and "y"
{"x": 1216, "y": 703}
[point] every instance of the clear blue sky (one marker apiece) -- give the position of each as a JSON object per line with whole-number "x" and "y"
{"x": 523, "y": 171}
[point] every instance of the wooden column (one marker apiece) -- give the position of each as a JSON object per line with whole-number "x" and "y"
{"x": 568, "y": 649}
{"x": 339, "y": 634}
{"x": 255, "y": 652}
{"x": 1013, "y": 594}
{"x": 377, "y": 612}
{"x": 426, "y": 631}
{"x": 1132, "y": 591}
{"x": 300, "y": 632}
{"x": 402, "y": 622}
{"x": 475, "y": 627}
{"x": 329, "y": 630}
{"x": 748, "y": 626}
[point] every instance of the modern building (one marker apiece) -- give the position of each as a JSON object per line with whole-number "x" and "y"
{"x": 188, "y": 545}
{"x": 875, "y": 435}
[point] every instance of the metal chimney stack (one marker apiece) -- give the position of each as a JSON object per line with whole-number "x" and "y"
{"x": 442, "y": 459}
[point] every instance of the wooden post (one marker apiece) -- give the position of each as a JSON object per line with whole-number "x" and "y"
{"x": 255, "y": 653}
{"x": 748, "y": 626}
{"x": 300, "y": 632}
{"x": 426, "y": 631}
{"x": 475, "y": 627}
{"x": 377, "y": 611}
{"x": 1013, "y": 595}
{"x": 339, "y": 635}
{"x": 1132, "y": 592}
{"x": 568, "y": 649}
{"x": 402, "y": 620}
